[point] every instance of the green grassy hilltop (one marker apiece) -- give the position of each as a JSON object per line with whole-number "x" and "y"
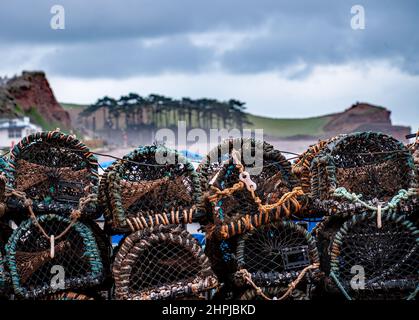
{"x": 282, "y": 128}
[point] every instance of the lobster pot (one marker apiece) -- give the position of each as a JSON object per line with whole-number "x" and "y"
{"x": 104, "y": 245}
{"x": 416, "y": 157}
{"x": 5, "y": 232}
{"x": 414, "y": 147}
{"x": 221, "y": 254}
{"x": 4, "y": 173}
{"x": 324, "y": 233}
{"x": 162, "y": 263}
{"x": 369, "y": 262}
{"x": 301, "y": 169}
{"x": 363, "y": 170}
{"x": 55, "y": 171}
{"x": 245, "y": 193}
{"x": 250, "y": 150}
{"x": 4, "y": 165}
{"x": 152, "y": 185}
{"x": 73, "y": 256}
{"x": 275, "y": 254}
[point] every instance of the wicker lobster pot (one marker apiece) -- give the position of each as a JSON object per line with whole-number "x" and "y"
{"x": 218, "y": 156}
{"x": 414, "y": 147}
{"x": 161, "y": 263}
{"x": 274, "y": 255}
{"x": 54, "y": 171}
{"x": 302, "y": 171}
{"x": 362, "y": 171}
{"x": 388, "y": 256}
{"x": 141, "y": 191}
{"x": 4, "y": 174}
{"x": 33, "y": 257}
{"x": 324, "y": 233}
{"x": 235, "y": 213}
{"x": 243, "y": 196}
{"x": 5, "y": 232}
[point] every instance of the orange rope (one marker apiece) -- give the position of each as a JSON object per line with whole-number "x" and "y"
{"x": 248, "y": 277}
{"x": 294, "y": 284}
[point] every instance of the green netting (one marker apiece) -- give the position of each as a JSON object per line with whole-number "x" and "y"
{"x": 164, "y": 262}
{"x": 385, "y": 258}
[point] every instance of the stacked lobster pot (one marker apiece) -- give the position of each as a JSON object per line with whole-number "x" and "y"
{"x": 51, "y": 195}
{"x": 4, "y": 277}
{"x": 366, "y": 185}
{"x": 414, "y": 148}
{"x": 4, "y": 230}
{"x": 254, "y": 246}
{"x": 150, "y": 196}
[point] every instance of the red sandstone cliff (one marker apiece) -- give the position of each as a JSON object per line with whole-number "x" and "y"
{"x": 32, "y": 90}
{"x": 364, "y": 117}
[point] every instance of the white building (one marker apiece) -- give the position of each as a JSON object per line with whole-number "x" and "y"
{"x": 13, "y": 130}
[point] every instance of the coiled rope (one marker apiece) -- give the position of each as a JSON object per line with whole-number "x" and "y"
{"x": 248, "y": 222}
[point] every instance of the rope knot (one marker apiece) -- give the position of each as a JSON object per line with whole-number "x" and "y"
{"x": 27, "y": 202}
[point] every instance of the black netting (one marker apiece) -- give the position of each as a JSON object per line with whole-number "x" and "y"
{"x": 324, "y": 233}
{"x": 160, "y": 263}
{"x": 222, "y": 255}
{"x": 275, "y": 253}
{"x": 33, "y": 255}
{"x": 277, "y": 249}
{"x": 31, "y": 261}
{"x": 388, "y": 257}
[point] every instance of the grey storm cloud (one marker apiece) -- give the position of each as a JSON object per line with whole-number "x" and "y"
{"x": 109, "y": 38}
{"x": 127, "y": 58}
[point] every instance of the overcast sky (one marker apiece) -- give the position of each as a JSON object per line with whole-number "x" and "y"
{"x": 283, "y": 58}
